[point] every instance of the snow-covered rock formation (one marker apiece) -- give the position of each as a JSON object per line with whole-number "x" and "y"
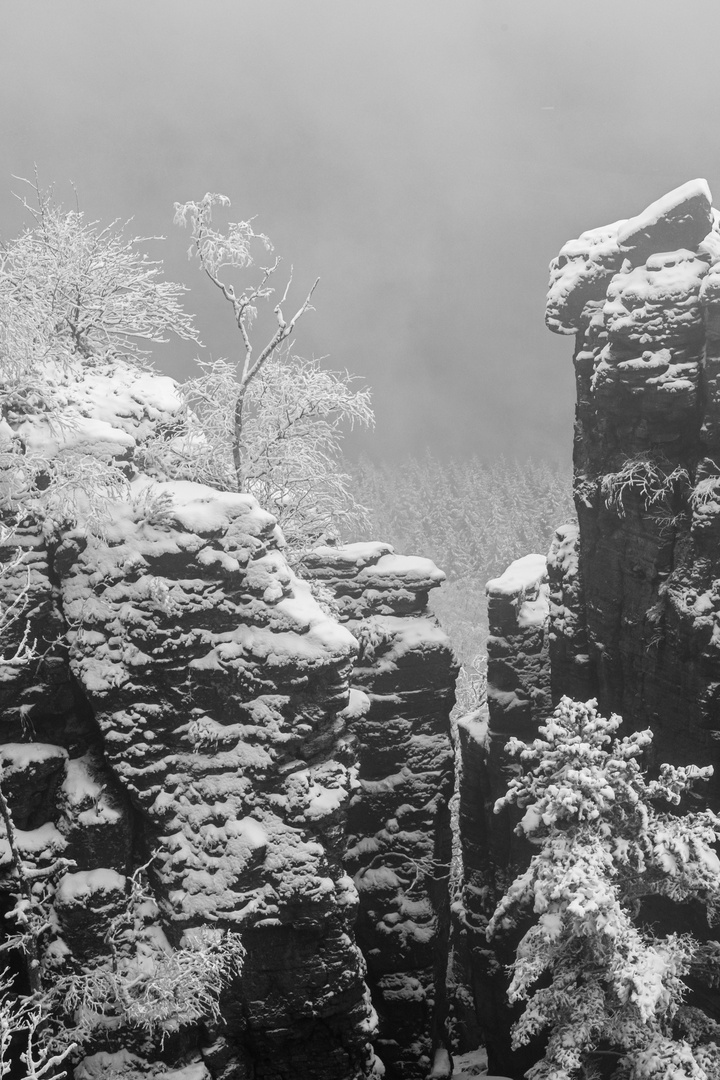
{"x": 173, "y": 695}
{"x": 399, "y": 843}
{"x": 632, "y": 606}
{"x": 518, "y": 699}
{"x": 638, "y": 622}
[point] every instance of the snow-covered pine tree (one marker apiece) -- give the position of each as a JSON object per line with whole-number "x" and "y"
{"x": 612, "y": 989}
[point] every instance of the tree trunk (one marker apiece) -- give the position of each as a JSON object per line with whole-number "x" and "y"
{"x": 238, "y": 449}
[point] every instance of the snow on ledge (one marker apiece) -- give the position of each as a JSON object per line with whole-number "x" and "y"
{"x": 17, "y": 757}
{"x": 521, "y": 577}
{"x": 352, "y": 555}
{"x": 525, "y": 586}
{"x": 78, "y": 887}
{"x": 654, "y": 213}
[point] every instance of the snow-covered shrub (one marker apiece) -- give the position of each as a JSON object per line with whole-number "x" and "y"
{"x": 73, "y": 295}
{"x": 61, "y": 491}
{"x": 146, "y": 984}
{"x": 611, "y": 983}
{"x": 660, "y": 486}
{"x": 143, "y": 986}
{"x": 20, "y": 1023}
{"x": 202, "y": 733}
{"x": 15, "y": 648}
{"x": 71, "y": 290}
{"x": 471, "y": 685}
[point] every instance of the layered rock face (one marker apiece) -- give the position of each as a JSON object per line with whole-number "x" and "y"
{"x": 180, "y": 701}
{"x": 632, "y": 613}
{"x": 218, "y": 687}
{"x": 518, "y": 698}
{"x": 647, "y": 472}
{"x": 399, "y": 843}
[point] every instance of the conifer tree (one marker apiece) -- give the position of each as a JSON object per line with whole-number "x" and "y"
{"x": 612, "y": 987}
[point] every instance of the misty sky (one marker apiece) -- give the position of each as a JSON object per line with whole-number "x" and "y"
{"x": 426, "y": 159}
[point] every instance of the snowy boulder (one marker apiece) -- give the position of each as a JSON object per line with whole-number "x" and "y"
{"x": 518, "y": 599}
{"x": 369, "y": 578}
{"x": 679, "y": 219}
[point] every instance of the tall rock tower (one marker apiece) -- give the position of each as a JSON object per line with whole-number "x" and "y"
{"x": 642, "y": 298}
{"x": 626, "y": 608}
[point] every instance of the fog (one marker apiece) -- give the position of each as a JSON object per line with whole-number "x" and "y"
{"x": 426, "y": 160}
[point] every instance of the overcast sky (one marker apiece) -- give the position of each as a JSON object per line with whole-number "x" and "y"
{"x": 425, "y": 158}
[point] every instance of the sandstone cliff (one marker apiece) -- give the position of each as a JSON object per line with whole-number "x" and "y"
{"x": 636, "y": 628}
{"x": 174, "y": 697}
{"x": 626, "y": 608}
{"x": 399, "y": 843}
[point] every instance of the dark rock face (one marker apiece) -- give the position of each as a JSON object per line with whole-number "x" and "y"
{"x": 639, "y": 617}
{"x": 518, "y": 695}
{"x": 187, "y": 699}
{"x": 173, "y": 695}
{"x": 219, "y": 686}
{"x": 399, "y": 844}
{"x": 518, "y": 698}
{"x": 633, "y": 601}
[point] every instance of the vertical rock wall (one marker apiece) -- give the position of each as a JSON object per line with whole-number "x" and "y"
{"x": 399, "y": 844}
{"x": 219, "y": 687}
{"x": 185, "y": 701}
{"x": 518, "y": 698}
{"x": 633, "y": 590}
{"x": 640, "y": 296}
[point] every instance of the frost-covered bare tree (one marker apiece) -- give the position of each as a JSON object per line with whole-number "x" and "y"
{"x": 73, "y": 294}
{"x": 145, "y": 985}
{"x": 21, "y": 1021}
{"x": 269, "y": 422}
{"x": 72, "y": 289}
{"x": 232, "y": 250}
{"x": 293, "y": 419}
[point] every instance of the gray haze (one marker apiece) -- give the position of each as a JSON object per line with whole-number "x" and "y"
{"x": 426, "y": 159}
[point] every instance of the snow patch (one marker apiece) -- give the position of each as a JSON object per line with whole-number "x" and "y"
{"x": 122, "y": 1065}
{"x": 357, "y": 706}
{"x": 77, "y": 888}
{"x": 45, "y": 843}
{"x": 692, "y": 191}
{"x": 17, "y": 757}
{"x": 352, "y": 556}
{"x": 442, "y": 1066}
{"x": 521, "y": 577}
